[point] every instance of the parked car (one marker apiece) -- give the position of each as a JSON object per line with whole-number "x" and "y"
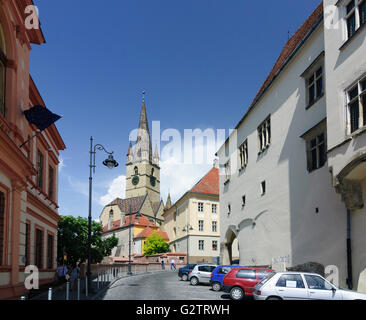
{"x": 201, "y": 273}
{"x": 240, "y": 282}
{"x": 218, "y": 275}
{"x": 184, "y": 271}
{"x": 301, "y": 286}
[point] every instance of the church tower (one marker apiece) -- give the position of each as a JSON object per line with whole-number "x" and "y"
{"x": 143, "y": 168}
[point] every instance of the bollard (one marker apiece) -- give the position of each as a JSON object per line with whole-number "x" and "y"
{"x": 135, "y": 269}
{"x": 79, "y": 288}
{"x": 50, "y": 294}
{"x": 86, "y": 286}
{"x": 67, "y": 290}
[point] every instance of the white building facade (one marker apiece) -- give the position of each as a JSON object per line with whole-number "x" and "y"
{"x": 277, "y": 196}
{"x": 345, "y": 62}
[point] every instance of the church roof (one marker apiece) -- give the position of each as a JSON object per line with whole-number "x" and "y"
{"x": 209, "y": 184}
{"x": 130, "y": 204}
{"x": 137, "y": 220}
{"x": 147, "y": 232}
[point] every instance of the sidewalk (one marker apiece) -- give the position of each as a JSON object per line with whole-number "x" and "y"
{"x": 59, "y": 293}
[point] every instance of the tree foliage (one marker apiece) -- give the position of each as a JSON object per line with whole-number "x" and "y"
{"x": 155, "y": 244}
{"x": 73, "y": 241}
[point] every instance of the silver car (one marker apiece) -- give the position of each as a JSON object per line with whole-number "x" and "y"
{"x": 201, "y": 274}
{"x": 301, "y": 286}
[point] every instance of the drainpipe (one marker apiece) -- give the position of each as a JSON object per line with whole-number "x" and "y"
{"x": 349, "y": 252}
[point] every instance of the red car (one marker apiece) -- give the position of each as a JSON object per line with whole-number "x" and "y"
{"x": 240, "y": 282}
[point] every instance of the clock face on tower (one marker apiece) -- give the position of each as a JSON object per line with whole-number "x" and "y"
{"x": 153, "y": 181}
{"x": 135, "y": 180}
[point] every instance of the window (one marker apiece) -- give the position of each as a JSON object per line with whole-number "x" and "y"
{"x": 246, "y": 274}
{"x": 315, "y": 86}
{"x": 2, "y": 73}
{"x": 206, "y": 268}
{"x": 224, "y": 270}
{"x": 316, "y": 152}
{"x": 351, "y": 19}
{"x": 200, "y": 206}
{"x": 263, "y": 188}
{"x": 27, "y": 244}
{"x": 355, "y": 16}
{"x": 317, "y": 283}
{"x": 229, "y": 208}
{"x": 40, "y": 169}
{"x": 214, "y": 245}
{"x": 2, "y": 226}
{"x": 356, "y": 102}
{"x": 136, "y": 171}
{"x": 227, "y": 171}
{"x": 50, "y": 252}
{"x": 200, "y": 225}
{"x": 214, "y": 208}
{"x": 262, "y": 274}
{"x": 50, "y": 182}
{"x": 264, "y": 135}
{"x": 39, "y": 248}
{"x": 201, "y": 245}
{"x": 290, "y": 281}
{"x": 243, "y": 154}
{"x": 214, "y": 226}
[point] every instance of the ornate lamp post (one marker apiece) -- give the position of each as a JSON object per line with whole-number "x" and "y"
{"x": 109, "y": 163}
{"x": 187, "y": 228}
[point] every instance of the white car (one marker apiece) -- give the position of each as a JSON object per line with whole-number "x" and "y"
{"x": 301, "y": 286}
{"x": 201, "y": 273}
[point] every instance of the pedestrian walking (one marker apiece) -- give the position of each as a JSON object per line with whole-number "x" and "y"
{"x": 61, "y": 273}
{"x": 74, "y": 275}
{"x": 162, "y": 263}
{"x": 172, "y": 265}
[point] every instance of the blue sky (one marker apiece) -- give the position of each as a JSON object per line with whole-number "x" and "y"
{"x": 200, "y": 61}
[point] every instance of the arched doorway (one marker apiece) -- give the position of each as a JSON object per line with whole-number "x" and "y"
{"x": 230, "y": 247}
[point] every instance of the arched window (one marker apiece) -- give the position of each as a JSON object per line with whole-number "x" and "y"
{"x": 136, "y": 171}
{"x": 152, "y": 172}
{"x": 2, "y": 71}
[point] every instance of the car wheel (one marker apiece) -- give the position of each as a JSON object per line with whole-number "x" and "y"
{"x": 274, "y": 298}
{"x": 216, "y": 286}
{"x": 236, "y": 293}
{"x": 184, "y": 277}
{"x": 194, "y": 281}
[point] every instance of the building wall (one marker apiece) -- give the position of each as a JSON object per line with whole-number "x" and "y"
{"x": 25, "y": 201}
{"x": 345, "y": 65}
{"x": 184, "y": 212}
{"x": 282, "y": 227}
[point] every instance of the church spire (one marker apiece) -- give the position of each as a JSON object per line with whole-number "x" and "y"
{"x": 168, "y": 204}
{"x": 143, "y": 148}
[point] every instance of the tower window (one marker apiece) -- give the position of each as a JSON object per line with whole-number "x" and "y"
{"x": 136, "y": 171}
{"x": 152, "y": 171}
{"x": 263, "y": 188}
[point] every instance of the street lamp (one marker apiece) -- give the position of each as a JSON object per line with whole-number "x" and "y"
{"x": 110, "y": 163}
{"x": 187, "y": 228}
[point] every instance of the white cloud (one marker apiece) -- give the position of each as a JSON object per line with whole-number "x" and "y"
{"x": 178, "y": 176}
{"x": 116, "y": 189}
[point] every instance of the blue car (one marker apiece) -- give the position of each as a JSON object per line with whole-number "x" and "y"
{"x": 184, "y": 272}
{"x": 218, "y": 275}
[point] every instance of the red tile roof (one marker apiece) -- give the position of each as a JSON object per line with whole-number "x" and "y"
{"x": 289, "y": 49}
{"x": 147, "y": 232}
{"x": 209, "y": 184}
{"x": 140, "y": 220}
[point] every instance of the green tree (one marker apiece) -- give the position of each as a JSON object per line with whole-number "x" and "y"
{"x": 155, "y": 244}
{"x": 73, "y": 241}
